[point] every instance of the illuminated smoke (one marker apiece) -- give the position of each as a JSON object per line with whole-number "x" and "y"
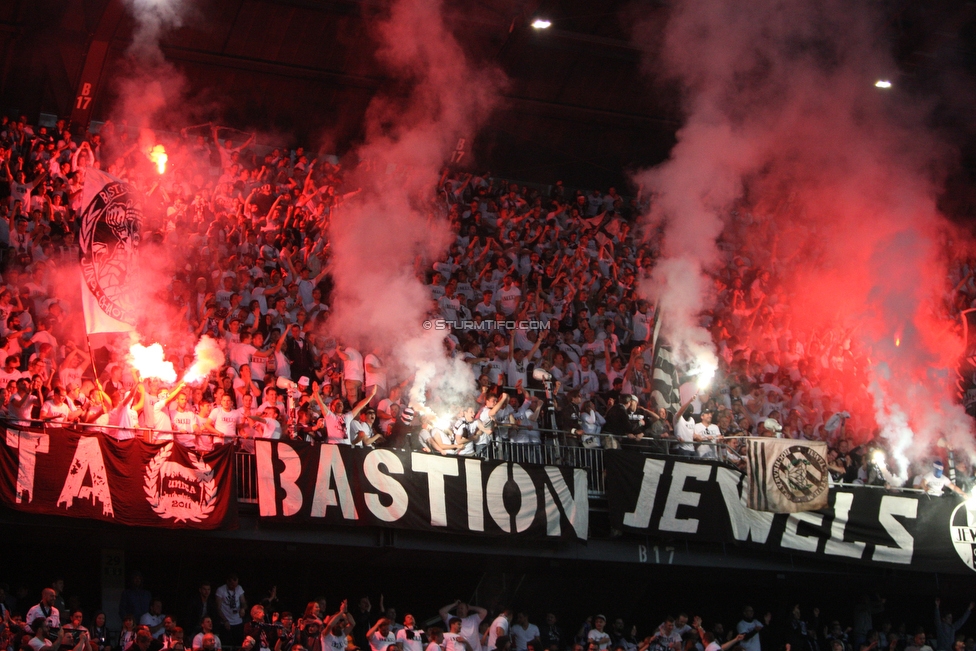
{"x": 152, "y": 19}
{"x": 380, "y": 236}
{"x": 833, "y": 182}
{"x": 207, "y": 357}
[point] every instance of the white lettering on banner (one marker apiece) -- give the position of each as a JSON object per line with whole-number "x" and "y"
{"x": 793, "y": 540}
{"x": 87, "y": 462}
{"x": 529, "y": 501}
{"x": 904, "y": 543}
{"x": 267, "y": 499}
{"x": 746, "y": 523}
{"x": 678, "y": 496}
{"x": 575, "y": 505}
{"x": 330, "y": 465}
{"x": 476, "y": 495}
{"x": 641, "y": 516}
{"x": 641, "y": 554}
{"x": 835, "y": 544}
{"x": 385, "y": 484}
{"x": 29, "y": 445}
{"x": 436, "y": 468}
{"x": 530, "y": 498}
{"x": 289, "y": 477}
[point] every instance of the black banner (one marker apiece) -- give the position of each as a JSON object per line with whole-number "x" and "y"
{"x": 342, "y": 485}
{"x": 671, "y": 497}
{"x": 60, "y": 471}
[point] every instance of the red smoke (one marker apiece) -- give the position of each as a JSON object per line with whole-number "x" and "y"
{"x": 381, "y": 237}
{"x": 834, "y": 183}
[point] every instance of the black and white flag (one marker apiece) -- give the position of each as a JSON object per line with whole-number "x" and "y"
{"x": 787, "y": 476}
{"x": 665, "y": 383}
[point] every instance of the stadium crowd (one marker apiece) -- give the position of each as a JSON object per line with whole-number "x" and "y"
{"x": 223, "y": 617}
{"x": 538, "y": 291}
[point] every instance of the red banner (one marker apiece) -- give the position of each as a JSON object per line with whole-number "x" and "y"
{"x": 62, "y": 471}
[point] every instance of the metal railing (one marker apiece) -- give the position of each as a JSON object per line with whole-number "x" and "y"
{"x": 551, "y": 455}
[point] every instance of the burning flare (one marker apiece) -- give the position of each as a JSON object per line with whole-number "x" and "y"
{"x": 158, "y": 157}
{"x": 148, "y": 360}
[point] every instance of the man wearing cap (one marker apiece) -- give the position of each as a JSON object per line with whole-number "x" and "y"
{"x": 708, "y": 433}
{"x": 935, "y": 482}
{"x": 623, "y": 421}
{"x": 771, "y": 428}
{"x": 597, "y": 634}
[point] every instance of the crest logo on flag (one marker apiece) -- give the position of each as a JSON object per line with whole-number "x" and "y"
{"x": 800, "y": 473}
{"x": 108, "y": 238}
{"x": 962, "y": 531}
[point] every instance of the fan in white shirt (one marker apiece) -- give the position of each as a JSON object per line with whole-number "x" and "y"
{"x": 224, "y": 420}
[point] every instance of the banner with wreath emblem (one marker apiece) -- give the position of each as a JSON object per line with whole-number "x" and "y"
{"x": 62, "y": 471}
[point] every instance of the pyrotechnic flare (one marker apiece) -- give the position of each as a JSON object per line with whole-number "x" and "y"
{"x": 705, "y": 374}
{"x": 159, "y": 158}
{"x": 207, "y": 356}
{"x": 148, "y": 360}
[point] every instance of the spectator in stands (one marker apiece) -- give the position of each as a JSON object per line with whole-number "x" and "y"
{"x": 206, "y": 630}
{"x": 470, "y": 621}
{"x": 231, "y": 607}
{"x": 523, "y": 632}
{"x": 498, "y": 628}
{"x": 201, "y": 605}
{"x": 45, "y": 610}
{"x": 946, "y": 628}
{"x": 409, "y": 637}
{"x": 154, "y": 619}
{"x": 100, "y": 633}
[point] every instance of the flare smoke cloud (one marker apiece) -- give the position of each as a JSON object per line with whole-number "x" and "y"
{"x": 834, "y": 186}
{"x": 390, "y": 229}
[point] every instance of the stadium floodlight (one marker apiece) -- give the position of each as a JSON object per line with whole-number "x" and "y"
{"x": 882, "y": 83}
{"x": 541, "y": 23}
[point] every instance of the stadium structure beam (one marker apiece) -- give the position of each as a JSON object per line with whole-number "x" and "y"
{"x": 96, "y": 54}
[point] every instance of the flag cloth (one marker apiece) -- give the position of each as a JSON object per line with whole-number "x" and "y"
{"x": 109, "y": 233}
{"x": 665, "y": 383}
{"x": 787, "y": 476}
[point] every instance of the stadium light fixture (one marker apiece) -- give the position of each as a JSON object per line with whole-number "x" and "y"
{"x": 882, "y": 83}
{"x": 541, "y": 23}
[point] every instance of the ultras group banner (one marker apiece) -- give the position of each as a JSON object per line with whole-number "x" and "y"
{"x": 59, "y": 471}
{"x": 672, "y": 497}
{"x": 342, "y": 485}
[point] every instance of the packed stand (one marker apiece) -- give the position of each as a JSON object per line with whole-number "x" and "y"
{"x": 538, "y": 292}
